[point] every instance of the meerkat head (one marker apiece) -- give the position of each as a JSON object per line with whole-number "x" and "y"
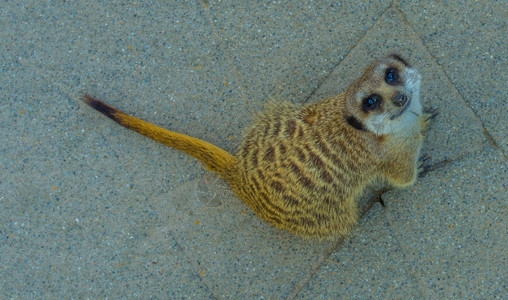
{"x": 386, "y": 98}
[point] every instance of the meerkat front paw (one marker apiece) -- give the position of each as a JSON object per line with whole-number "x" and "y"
{"x": 428, "y": 115}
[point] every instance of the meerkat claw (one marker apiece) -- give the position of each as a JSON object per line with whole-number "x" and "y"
{"x": 423, "y": 166}
{"x": 379, "y": 196}
{"x": 431, "y": 112}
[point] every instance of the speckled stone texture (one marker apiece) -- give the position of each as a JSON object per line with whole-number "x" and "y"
{"x": 89, "y": 209}
{"x": 468, "y": 41}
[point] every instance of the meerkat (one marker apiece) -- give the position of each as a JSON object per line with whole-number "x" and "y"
{"x": 303, "y": 167}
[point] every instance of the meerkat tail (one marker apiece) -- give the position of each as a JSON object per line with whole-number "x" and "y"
{"x": 213, "y": 157}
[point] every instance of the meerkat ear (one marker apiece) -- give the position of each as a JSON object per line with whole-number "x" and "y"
{"x": 400, "y": 59}
{"x": 355, "y": 123}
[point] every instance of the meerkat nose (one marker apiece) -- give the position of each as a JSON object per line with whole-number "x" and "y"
{"x": 400, "y": 99}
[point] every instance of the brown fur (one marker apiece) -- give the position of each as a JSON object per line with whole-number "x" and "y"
{"x": 302, "y": 168}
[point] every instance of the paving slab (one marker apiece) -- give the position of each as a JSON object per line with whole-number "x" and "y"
{"x": 235, "y": 252}
{"x": 91, "y": 209}
{"x": 73, "y": 195}
{"x": 368, "y": 264}
{"x": 454, "y": 234}
{"x": 467, "y": 39}
{"x": 443, "y": 238}
{"x": 283, "y": 50}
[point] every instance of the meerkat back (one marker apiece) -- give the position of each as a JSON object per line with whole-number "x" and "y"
{"x": 302, "y": 168}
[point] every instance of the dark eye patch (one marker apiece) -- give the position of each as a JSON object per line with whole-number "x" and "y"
{"x": 371, "y": 102}
{"x": 392, "y": 76}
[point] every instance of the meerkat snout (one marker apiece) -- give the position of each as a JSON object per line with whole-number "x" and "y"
{"x": 400, "y": 99}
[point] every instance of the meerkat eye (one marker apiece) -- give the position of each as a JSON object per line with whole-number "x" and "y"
{"x": 371, "y": 102}
{"x": 392, "y": 76}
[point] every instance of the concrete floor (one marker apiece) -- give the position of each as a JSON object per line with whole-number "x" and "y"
{"x": 90, "y": 209}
